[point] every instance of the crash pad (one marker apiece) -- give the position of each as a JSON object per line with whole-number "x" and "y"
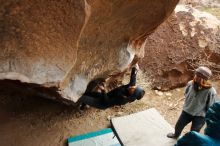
{"x": 146, "y": 128}
{"x": 104, "y": 137}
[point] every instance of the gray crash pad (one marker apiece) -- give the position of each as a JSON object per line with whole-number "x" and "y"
{"x": 146, "y": 128}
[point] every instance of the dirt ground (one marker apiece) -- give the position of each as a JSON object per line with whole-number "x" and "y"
{"x": 33, "y": 121}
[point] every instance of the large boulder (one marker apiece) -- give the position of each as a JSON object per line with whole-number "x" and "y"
{"x": 63, "y": 45}
{"x": 187, "y": 39}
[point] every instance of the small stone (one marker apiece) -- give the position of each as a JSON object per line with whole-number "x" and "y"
{"x": 168, "y": 94}
{"x": 178, "y": 90}
{"x": 159, "y": 93}
{"x": 120, "y": 113}
{"x": 109, "y": 118}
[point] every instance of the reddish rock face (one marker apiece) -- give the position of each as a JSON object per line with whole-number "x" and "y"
{"x": 65, "y": 44}
{"x": 187, "y": 39}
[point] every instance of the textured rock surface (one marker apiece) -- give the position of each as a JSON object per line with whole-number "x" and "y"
{"x": 205, "y": 3}
{"x": 189, "y": 38}
{"x": 65, "y": 44}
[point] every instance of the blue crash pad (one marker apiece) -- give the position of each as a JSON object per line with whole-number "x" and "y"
{"x": 104, "y": 137}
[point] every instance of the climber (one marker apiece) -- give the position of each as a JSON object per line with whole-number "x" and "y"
{"x": 199, "y": 96}
{"x": 118, "y": 96}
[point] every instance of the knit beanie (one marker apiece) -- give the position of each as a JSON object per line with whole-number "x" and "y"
{"x": 204, "y": 72}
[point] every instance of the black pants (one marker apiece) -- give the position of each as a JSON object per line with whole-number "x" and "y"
{"x": 185, "y": 118}
{"x": 94, "y": 99}
{"x": 94, "y": 102}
